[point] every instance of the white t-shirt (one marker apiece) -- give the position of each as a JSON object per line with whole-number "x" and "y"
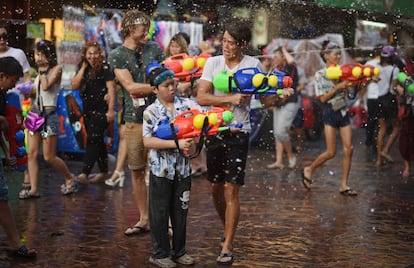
{"x": 214, "y": 66}
{"x": 19, "y": 55}
{"x": 372, "y": 88}
{"x": 385, "y": 76}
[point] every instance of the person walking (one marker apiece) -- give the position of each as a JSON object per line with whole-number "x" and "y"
{"x": 285, "y": 111}
{"x": 371, "y": 94}
{"x": 227, "y": 152}
{"x": 19, "y": 55}
{"x": 388, "y": 105}
{"x": 47, "y": 85}
{"x": 95, "y": 81}
{"x": 10, "y": 72}
{"x": 128, "y": 62}
{"x": 335, "y": 115}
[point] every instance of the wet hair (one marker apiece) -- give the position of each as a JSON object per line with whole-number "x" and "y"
{"x": 185, "y": 36}
{"x": 10, "y": 66}
{"x": 240, "y": 31}
{"x": 159, "y": 74}
{"x": 133, "y": 18}
{"x": 377, "y": 50}
{"x": 89, "y": 45}
{"x": 327, "y": 47}
{"x": 49, "y": 49}
{"x": 4, "y": 26}
{"x": 179, "y": 39}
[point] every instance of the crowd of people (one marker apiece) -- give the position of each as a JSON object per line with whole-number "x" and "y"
{"x": 160, "y": 170}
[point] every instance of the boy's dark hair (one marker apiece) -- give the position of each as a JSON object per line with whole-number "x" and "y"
{"x": 10, "y": 66}
{"x": 240, "y": 31}
{"x": 159, "y": 74}
{"x": 49, "y": 49}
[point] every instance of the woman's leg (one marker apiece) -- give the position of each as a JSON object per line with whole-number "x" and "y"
{"x": 121, "y": 155}
{"x": 330, "y": 141}
{"x": 49, "y": 155}
{"x": 33, "y": 142}
{"x": 346, "y": 137}
{"x": 393, "y": 136}
{"x": 380, "y": 141}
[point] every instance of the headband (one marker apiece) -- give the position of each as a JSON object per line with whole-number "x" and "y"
{"x": 160, "y": 75}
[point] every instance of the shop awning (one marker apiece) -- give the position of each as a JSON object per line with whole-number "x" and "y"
{"x": 404, "y": 7}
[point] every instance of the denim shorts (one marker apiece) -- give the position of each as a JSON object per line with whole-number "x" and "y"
{"x": 4, "y": 190}
{"x": 51, "y": 126}
{"x": 335, "y": 119}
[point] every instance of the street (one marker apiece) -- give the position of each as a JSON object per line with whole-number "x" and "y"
{"x": 281, "y": 223}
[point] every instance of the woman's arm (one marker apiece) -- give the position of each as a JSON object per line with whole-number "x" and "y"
{"x": 47, "y": 80}
{"x": 77, "y": 79}
{"x": 328, "y": 95}
{"x": 111, "y": 86}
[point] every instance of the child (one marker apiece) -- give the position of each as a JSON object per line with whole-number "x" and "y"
{"x": 170, "y": 172}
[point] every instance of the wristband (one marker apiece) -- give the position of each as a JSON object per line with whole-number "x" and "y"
{"x": 43, "y": 72}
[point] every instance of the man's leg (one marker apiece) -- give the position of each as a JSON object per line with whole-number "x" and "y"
{"x": 9, "y": 225}
{"x": 139, "y": 189}
{"x": 231, "y": 195}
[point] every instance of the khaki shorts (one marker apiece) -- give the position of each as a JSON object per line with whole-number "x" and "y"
{"x": 137, "y": 153}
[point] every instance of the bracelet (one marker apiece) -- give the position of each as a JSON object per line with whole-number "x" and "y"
{"x": 43, "y": 72}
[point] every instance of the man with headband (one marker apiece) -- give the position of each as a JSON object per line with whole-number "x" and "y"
{"x": 128, "y": 63}
{"x": 170, "y": 172}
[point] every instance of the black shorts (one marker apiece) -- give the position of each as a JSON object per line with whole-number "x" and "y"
{"x": 226, "y": 157}
{"x": 387, "y": 107}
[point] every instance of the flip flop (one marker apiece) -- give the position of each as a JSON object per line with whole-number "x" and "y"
{"x": 348, "y": 192}
{"x": 305, "y": 181}
{"x": 25, "y": 252}
{"x": 225, "y": 255}
{"x": 135, "y": 230}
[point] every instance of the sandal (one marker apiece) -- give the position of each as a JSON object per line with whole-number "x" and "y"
{"x": 222, "y": 256}
{"x": 306, "y": 181}
{"x": 25, "y": 190}
{"x": 25, "y": 252}
{"x": 348, "y": 192}
{"x": 67, "y": 189}
{"x": 135, "y": 230}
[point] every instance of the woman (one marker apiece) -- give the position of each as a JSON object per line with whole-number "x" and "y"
{"x": 177, "y": 45}
{"x": 284, "y": 113}
{"x": 95, "y": 81}
{"x": 406, "y": 115}
{"x": 387, "y": 105}
{"x": 47, "y": 85}
{"x": 335, "y": 116}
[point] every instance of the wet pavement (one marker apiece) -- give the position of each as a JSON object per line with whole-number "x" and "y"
{"x": 281, "y": 224}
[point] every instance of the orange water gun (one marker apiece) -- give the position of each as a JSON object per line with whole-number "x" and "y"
{"x": 351, "y": 72}
{"x": 191, "y": 124}
{"x": 186, "y": 67}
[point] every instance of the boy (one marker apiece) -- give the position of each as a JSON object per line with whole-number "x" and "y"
{"x": 170, "y": 172}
